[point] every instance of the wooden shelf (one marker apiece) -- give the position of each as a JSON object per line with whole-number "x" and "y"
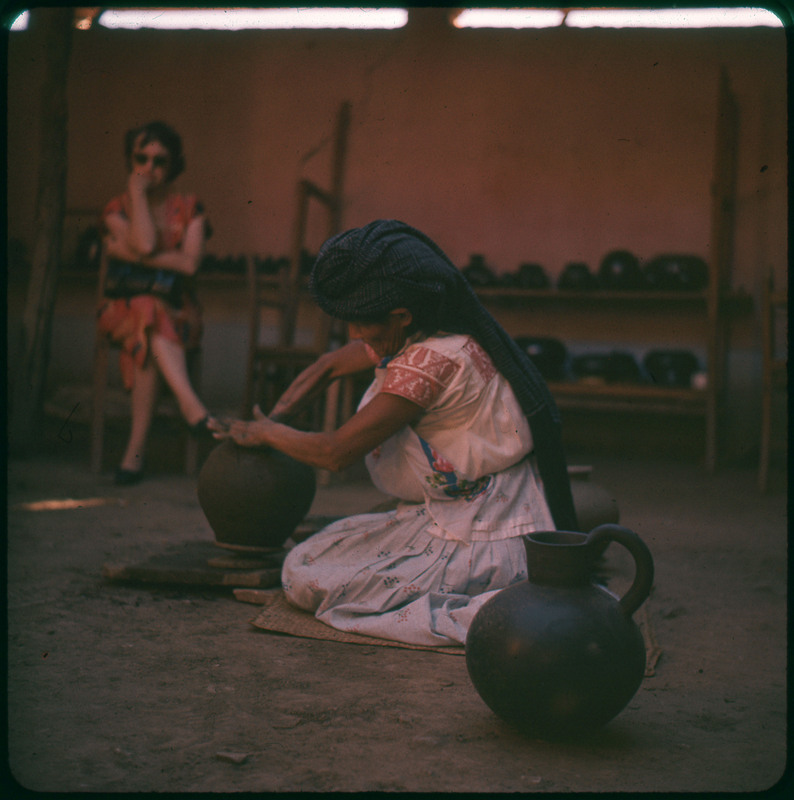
{"x": 629, "y": 397}
{"x": 730, "y": 302}
{"x": 499, "y": 294}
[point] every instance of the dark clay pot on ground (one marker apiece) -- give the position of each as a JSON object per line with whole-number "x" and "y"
{"x": 254, "y": 498}
{"x": 556, "y": 655}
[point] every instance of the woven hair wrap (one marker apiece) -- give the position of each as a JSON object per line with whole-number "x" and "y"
{"x": 364, "y": 273}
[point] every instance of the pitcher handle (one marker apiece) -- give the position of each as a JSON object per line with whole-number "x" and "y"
{"x": 643, "y": 562}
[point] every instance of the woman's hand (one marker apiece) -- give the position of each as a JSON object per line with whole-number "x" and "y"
{"x": 381, "y": 418}
{"x": 187, "y": 258}
{"x": 246, "y": 433}
{"x": 138, "y": 182}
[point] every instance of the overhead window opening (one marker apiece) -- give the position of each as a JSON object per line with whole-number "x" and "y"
{"x": 230, "y": 19}
{"x": 236, "y": 19}
{"x": 233, "y": 19}
{"x": 509, "y": 18}
{"x": 21, "y": 22}
{"x": 616, "y": 18}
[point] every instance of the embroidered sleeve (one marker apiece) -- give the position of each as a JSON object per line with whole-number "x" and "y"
{"x": 481, "y": 360}
{"x": 419, "y": 375}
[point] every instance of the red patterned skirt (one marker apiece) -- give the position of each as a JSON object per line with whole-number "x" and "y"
{"x": 130, "y": 323}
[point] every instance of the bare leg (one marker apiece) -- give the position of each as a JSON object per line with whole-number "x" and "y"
{"x": 143, "y": 399}
{"x": 170, "y": 360}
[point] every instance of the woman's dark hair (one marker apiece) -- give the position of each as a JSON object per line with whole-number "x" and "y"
{"x": 166, "y": 136}
{"x": 424, "y": 318}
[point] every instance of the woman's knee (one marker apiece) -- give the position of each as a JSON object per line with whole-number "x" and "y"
{"x": 299, "y": 587}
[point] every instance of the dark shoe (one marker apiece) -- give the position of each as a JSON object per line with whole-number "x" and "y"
{"x": 127, "y": 477}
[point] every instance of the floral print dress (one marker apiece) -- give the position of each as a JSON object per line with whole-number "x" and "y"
{"x": 129, "y": 322}
{"x": 469, "y": 489}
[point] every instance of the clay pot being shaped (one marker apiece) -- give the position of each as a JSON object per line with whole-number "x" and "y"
{"x": 254, "y": 498}
{"x": 557, "y": 655}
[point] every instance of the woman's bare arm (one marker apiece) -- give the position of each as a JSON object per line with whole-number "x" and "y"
{"x": 349, "y": 359}
{"x": 185, "y": 259}
{"x": 380, "y": 419}
{"x": 116, "y": 239}
{"x": 142, "y": 233}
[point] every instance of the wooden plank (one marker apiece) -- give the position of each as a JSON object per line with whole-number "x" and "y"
{"x": 498, "y": 294}
{"x": 53, "y": 26}
{"x": 190, "y": 564}
{"x": 629, "y": 398}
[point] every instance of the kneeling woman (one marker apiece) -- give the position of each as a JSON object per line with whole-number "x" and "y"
{"x": 457, "y": 424}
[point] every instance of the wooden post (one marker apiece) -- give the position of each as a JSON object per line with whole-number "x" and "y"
{"x": 55, "y": 27}
{"x": 723, "y": 213}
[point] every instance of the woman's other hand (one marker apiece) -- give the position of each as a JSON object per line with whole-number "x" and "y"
{"x": 246, "y": 433}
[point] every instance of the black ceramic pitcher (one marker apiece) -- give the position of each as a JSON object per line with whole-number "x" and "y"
{"x": 557, "y": 654}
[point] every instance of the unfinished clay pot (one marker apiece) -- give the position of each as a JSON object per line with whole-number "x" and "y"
{"x": 254, "y": 498}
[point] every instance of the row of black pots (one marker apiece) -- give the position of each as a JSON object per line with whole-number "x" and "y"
{"x": 669, "y": 368}
{"x": 263, "y": 265}
{"x": 620, "y": 270}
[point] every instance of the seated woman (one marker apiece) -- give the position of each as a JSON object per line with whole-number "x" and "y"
{"x": 156, "y": 228}
{"x": 458, "y": 424}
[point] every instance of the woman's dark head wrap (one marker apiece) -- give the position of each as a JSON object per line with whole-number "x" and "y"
{"x": 364, "y": 273}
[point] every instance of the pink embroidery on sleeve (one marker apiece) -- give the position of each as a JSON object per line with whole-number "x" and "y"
{"x": 419, "y": 375}
{"x": 481, "y": 360}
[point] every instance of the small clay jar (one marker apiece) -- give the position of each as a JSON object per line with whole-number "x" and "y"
{"x": 254, "y": 498}
{"x": 594, "y": 505}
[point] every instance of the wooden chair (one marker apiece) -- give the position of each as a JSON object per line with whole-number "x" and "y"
{"x": 100, "y": 392}
{"x": 774, "y": 323}
{"x": 272, "y": 366}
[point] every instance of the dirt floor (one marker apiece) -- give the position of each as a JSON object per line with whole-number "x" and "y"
{"x": 128, "y": 688}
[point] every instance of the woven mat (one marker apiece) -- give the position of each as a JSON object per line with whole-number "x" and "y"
{"x": 278, "y": 616}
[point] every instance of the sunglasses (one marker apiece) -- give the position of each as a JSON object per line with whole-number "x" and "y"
{"x": 157, "y": 161}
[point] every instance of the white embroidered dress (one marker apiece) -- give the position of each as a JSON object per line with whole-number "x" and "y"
{"x": 468, "y": 486}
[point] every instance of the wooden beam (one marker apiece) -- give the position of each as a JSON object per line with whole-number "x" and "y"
{"x": 54, "y": 26}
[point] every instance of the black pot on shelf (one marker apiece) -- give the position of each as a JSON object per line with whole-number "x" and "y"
{"x": 677, "y": 273}
{"x": 532, "y": 276}
{"x": 620, "y": 270}
{"x": 508, "y": 280}
{"x": 591, "y": 366}
{"x": 673, "y": 368}
{"x": 577, "y": 277}
{"x": 547, "y": 354}
{"x": 478, "y": 273}
{"x": 622, "y": 367}
{"x": 614, "y": 367}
